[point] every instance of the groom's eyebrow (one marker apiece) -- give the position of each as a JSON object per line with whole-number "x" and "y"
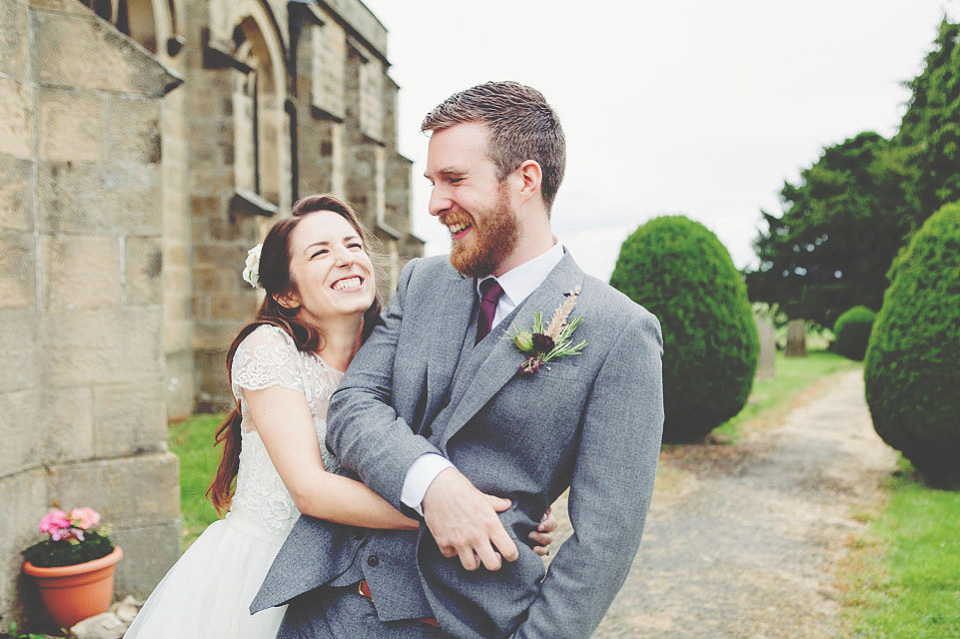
{"x": 446, "y": 172}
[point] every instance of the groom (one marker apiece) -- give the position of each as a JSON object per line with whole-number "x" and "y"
{"x": 435, "y": 415}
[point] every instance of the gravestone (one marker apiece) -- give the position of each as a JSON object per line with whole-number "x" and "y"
{"x": 768, "y": 348}
{"x": 796, "y": 339}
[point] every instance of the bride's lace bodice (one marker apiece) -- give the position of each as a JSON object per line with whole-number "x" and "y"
{"x": 268, "y": 357}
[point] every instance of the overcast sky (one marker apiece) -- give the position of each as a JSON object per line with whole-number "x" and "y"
{"x": 696, "y": 107}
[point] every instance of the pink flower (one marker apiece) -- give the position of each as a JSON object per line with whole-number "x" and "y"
{"x": 56, "y": 523}
{"x": 84, "y": 518}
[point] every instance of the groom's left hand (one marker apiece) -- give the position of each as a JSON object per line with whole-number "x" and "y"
{"x": 464, "y": 522}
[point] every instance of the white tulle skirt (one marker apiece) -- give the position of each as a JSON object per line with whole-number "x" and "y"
{"x": 207, "y": 592}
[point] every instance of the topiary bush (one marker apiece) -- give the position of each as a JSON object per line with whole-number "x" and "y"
{"x": 852, "y": 329}
{"x": 912, "y": 369}
{"x": 678, "y": 269}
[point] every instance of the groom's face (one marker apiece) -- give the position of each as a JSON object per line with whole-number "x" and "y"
{"x": 470, "y": 200}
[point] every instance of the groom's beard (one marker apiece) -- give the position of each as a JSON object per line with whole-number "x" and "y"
{"x": 495, "y": 234}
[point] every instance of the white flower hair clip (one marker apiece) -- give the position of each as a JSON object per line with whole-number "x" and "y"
{"x": 251, "y": 271}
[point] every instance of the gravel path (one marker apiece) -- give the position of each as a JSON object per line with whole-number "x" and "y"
{"x": 741, "y": 540}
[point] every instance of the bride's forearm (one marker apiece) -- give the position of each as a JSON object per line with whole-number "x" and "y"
{"x": 347, "y": 501}
{"x": 283, "y": 419}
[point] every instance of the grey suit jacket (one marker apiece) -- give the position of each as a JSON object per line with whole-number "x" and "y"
{"x": 590, "y": 422}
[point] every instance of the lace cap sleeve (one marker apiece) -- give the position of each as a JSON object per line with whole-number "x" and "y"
{"x": 266, "y": 357}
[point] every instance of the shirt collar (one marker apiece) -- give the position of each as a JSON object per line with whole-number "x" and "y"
{"x": 520, "y": 281}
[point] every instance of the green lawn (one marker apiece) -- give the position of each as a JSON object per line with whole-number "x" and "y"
{"x": 902, "y": 580}
{"x": 192, "y": 442}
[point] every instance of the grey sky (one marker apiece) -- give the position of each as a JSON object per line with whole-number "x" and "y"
{"x": 669, "y": 106}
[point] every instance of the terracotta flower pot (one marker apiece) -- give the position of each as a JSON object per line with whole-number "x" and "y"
{"x": 73, "y": 593}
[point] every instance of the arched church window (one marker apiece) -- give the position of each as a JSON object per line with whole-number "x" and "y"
{"x": 258, "y": 114}
{"x": 134, "y": 18}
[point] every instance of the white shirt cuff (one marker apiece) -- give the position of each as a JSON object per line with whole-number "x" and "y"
{"x": 420, "y": 475}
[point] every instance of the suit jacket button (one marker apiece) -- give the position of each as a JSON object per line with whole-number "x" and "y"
{"x": 372, "y": 561}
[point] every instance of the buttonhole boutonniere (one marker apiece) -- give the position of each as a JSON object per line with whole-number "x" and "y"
{"x": 542, "y": 345}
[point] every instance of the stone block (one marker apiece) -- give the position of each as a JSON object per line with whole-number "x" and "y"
{"x": 105, "y": 625}
{"x": 148, "y": 553}
{"x": 71, "y": 125}
{"x": 211, "y": 180}
{"x": 176, "y": 215}
{"x": 209, "y": 279}
{"x": 210, "y": 377}
{"x": 796, "y": 338}
{"x": 13, "y": 40}
{"x": 766, "y": 363}
{"x": 20, "y": 430}
{"x": 129, "y": 492}
{"x": 134, "y": 133}
{"x": 177, "y": 335}
{"x": 234, "y": 306}
{"x": 60, "y": 6}
{"x": 16, "y": 192}
{"x": 67, "y": 424}
{"x": 16, "y": 128}
{"x": 233, "y": 230}
{"x": 19, "y": 343}
{"x": 144, "y": 268}
{"x": 217, "y": 334}
{"x": 179, "y": 385}
{"x": 177, "y": 305}
{"x": 110, "y": 345}
{"x": 129, "y": 419}
{"x": 24, "y": 499}
{"x": 65, "y": 45}
{"x": 225, "y": 256}
{"x": 206, "y": 206}
{"x": 176, "y": 256}
{"x": 200, "y": 306}
{"x": 90, "y": 198}
{"x": 17, "y": 269}
{"x": 79, "y": 271}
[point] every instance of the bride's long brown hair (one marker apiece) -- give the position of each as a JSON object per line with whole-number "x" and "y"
{"x": 276, "y": 280}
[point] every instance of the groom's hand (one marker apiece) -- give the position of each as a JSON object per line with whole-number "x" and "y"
{"x": 464, "y": 522}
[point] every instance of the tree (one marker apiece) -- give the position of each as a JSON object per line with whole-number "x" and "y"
{"x": 841, "y": 228}
{"x": 683, "y": 274}
{"x": 911, "y": 373}
{"x": 930, "y": 130}
{"x": 844, "y": 222}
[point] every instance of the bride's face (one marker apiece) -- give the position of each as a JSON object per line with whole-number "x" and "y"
{"x": 330, "y": 268}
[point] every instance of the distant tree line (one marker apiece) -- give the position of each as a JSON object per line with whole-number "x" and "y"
{"x": 851, "y": 212}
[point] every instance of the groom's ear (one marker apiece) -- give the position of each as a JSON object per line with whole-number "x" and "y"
{"x": 531, "y": 179}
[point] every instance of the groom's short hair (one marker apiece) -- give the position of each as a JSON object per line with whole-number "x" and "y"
{"x": 522, "y": 127}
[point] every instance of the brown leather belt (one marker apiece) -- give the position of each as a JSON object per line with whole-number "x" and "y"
{"x": 364, "y": 590}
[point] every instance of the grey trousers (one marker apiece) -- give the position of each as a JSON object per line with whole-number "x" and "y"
{"x": 342, "y": 613}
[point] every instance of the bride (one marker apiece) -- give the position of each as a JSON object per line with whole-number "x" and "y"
{"x": 320, "y": 305}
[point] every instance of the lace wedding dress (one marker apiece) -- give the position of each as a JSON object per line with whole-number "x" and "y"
{"x": 207, "y": 592}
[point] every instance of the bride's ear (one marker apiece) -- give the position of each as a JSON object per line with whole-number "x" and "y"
{"x": 289, "y": 301}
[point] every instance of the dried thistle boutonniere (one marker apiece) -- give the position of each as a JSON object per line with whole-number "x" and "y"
{"x": 543, "y": 345}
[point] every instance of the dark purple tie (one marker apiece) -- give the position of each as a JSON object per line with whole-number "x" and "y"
{"x": 490, "y": 292}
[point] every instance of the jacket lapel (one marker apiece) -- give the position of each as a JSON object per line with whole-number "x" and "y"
{"x": 502, "y": 362}
{"x": 442, "y": 347}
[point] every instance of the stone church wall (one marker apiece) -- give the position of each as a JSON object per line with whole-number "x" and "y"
{"x": 82, "y": 413}
{"x": 144, "y": 148}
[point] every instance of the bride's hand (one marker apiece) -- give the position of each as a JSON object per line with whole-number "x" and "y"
{"x": 543, "y": 535}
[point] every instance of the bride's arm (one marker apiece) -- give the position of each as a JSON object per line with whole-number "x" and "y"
{"x": 283, "y": 419}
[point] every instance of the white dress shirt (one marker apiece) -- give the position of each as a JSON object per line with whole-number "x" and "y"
{"x": 517, "y": 284}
